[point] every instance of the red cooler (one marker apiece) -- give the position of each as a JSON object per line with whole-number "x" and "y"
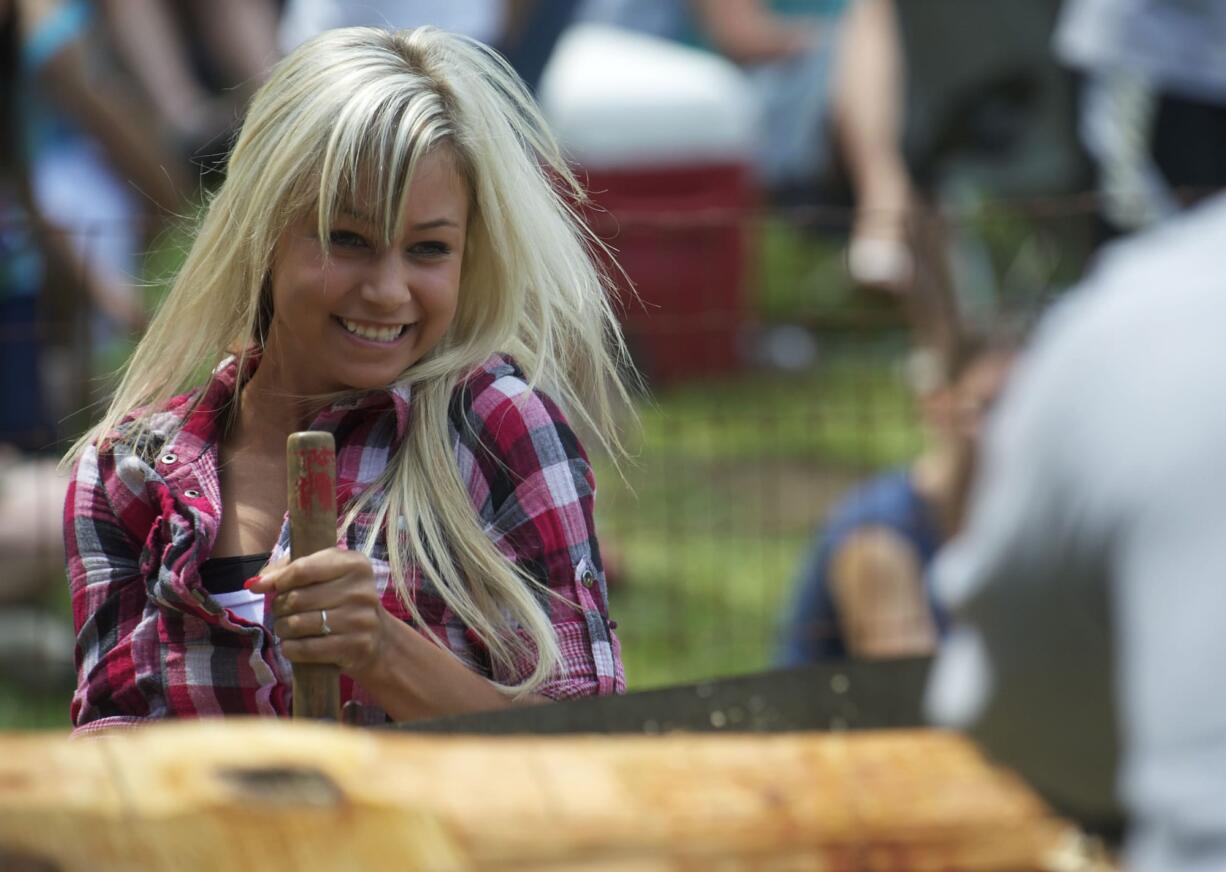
{"x": 681, "y": 236}
{"x": 662, "y": 134}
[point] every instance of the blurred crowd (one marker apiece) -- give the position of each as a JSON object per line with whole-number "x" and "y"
{"x": 116, "y": 116}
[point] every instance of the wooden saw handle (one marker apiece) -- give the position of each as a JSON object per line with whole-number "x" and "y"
{"x": 311, "y": 466}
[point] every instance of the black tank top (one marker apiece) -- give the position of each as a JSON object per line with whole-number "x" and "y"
{"x": 227, "y": 574}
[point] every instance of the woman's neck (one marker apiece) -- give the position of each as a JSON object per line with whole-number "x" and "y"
{"x": 270, "y": 407}
{"x": 253, "y": 466}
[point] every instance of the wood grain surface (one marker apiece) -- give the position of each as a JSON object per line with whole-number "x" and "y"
{"x": 264, "y": 794}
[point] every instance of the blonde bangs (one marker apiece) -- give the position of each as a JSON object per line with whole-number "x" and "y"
{"x": 372, "y": 152}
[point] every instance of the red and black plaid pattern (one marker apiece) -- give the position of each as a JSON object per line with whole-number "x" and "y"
{"x": 140, "y": 519}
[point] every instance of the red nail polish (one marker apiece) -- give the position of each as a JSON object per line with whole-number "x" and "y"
{"x": 251, "y": 582}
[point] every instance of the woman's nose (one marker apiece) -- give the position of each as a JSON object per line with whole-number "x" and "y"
{"x": 388, "y": 282}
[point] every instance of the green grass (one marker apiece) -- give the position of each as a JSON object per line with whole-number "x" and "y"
{"x": 39, "y": 703}
{"x": 22, "y": 708}
{"x": 801, "y": 277}
{"x": 853, "y": 409}
{"x": 721, "y": 502}
{"x": 799, "y": 273}
{"x": 697, "y": 605}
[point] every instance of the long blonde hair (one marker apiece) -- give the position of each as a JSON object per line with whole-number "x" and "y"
{"x": 369, "y": 102}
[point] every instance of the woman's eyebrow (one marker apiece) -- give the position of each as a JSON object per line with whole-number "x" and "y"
{"x": 346, "y": 212}
{"x": 369, "y": 220}
{"x": 435, "y": 223}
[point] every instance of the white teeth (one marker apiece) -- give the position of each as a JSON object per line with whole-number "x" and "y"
{"x": 379, "y": 334}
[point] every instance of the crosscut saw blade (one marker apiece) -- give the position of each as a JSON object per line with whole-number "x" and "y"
{"x": 826, "y": 696}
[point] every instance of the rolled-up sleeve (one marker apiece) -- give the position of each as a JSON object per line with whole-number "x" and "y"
{"x": 537, "y": 489}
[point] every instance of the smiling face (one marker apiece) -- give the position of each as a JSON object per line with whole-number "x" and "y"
{"x": 360, "y": 316}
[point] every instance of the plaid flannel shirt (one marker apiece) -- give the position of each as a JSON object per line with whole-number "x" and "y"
{"x": 140, "y": 520}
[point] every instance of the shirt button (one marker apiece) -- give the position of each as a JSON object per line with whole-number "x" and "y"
{"x": 191, "y": 493}
{"x": 168, "y": 458}
{"x": 589, "y": 578}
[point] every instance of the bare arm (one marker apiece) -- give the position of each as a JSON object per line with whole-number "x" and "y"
{"x": 747, "y": 32}
{"x": 241, "y": 36}
{"x": 876, "y": 585}
{"x": 118, "y": 127}
{"x": 106, "y": 290}
{"x": 150, "y": 45}
{"x": 416, "y": 679}
{"x": 515, "y": 15}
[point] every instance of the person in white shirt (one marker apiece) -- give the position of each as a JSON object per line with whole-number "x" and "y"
{"x": 1089, "y": 585}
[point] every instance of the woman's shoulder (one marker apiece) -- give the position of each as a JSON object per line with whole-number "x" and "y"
{"x": 496, "y": 408}
{"x": 193, "y": 413}
{"x": 499, "y": 388}
{"x": 495, "y": 369}
{"x": 145, "y": 429}
{"x": 109, "y": 475}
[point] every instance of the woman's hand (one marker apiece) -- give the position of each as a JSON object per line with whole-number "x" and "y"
{"x": 327, "y": 610}
{"x": 405, "y": 673}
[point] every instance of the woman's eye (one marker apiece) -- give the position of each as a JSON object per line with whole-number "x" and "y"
{"x": 346, "y": 239}
{"x": 430, "y": 249}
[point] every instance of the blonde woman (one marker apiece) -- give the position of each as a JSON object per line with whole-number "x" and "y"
{"x": 392, "y": 258}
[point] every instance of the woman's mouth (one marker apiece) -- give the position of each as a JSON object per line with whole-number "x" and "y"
{"x": 373, "y": 332}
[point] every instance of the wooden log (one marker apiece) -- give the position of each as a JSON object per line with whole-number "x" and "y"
{"x": 265, "y": 795}
{"x": 311, "y": 479}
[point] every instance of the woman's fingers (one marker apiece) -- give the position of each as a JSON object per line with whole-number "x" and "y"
{"x": 334, "y": 594}
{"x": 336, "y": 621}
{"x": 349, "y": 645}
{"x": 304, "y": 625}
{"x": 327, "y": 609}
{"x": 321, "y": 566}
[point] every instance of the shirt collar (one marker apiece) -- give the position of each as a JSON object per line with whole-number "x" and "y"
{"x": 395, "y": 398}
{"x": 203, "y": 423}
{"x": 204, "y": 419}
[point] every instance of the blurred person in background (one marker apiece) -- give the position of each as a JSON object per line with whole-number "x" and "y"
{"x": 824, "y": 71}
{"x": 524, "y": 31}
{"x": 198, "y": 62}
{"x": 1153, "y": 109}
{"x": 100, "y": 178}
{"x": 25, "y": 423}
{"x": 1087, "y": 587}
{"x": 31, "y": 491}
{"x": 864, "y": 589}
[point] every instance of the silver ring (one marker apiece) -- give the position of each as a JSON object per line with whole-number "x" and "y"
{"x": 324, "y": 629}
